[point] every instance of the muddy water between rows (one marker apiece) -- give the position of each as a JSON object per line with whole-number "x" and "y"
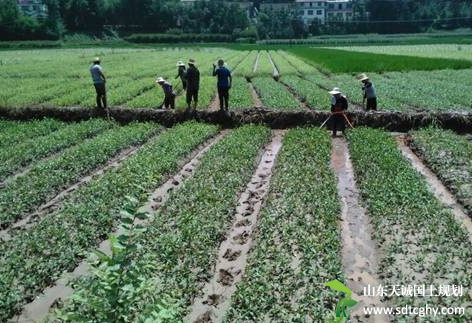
{"x": 233, "y": 252}
{"x": 359, "y": 251}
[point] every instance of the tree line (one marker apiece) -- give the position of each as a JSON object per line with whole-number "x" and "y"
{"x": 96, "y": 17}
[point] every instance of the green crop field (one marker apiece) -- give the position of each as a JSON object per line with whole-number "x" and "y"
{"x": 103, "y": 221}
{"x": 60, "y": 78}
{"x": 454, "y": 51}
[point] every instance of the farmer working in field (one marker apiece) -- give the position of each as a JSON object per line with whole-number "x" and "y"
{"x": 99, "y": 82}
{"x": 224, "y": 83}
{"x": 338, "y": 106}
{"x": 181, "y": 74}
{"x": 369, "y": 93}
{"x": 169, "y": 95}
{"x": 193, "y": 84}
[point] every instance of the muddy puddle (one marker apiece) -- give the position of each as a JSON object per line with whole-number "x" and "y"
{"x": 436, "y": 186}
{"x": 215, "y": 299}
{"x": 359, "y": 250}
{"x": 37, "y": 310}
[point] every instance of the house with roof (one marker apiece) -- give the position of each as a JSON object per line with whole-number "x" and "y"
{"x": 309, "y": 10}
{"x": 33, "y": 8}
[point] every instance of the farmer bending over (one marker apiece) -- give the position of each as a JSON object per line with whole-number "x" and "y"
{"x": 169, "y": 95}
{"x": 369, "y": 93}
{"x": 99, "y": 82}
{"x": 224, "y": 83}
{"x": 338, "y": 106}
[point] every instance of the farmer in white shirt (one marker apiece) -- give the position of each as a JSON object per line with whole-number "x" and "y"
{"x": 99, "y": 82}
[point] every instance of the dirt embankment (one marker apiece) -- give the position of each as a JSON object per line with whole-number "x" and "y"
{"x": 391, "y": 121}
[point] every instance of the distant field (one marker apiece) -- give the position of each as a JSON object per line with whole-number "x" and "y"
{"x": 60, "y": 78}
{"x": 344, "y": 61}
{"x": 454, "y": 51}
{"x": 245, "y": 223}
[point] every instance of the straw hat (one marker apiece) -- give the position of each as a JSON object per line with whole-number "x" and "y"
{"x": 335, "y": 91}
{"x": 160, "y": 80}
{"x": 192, "y": 61}
{"x": 96, "y": 60}
{"x": 180, "y": 63}
{"x": 364, "y": 77}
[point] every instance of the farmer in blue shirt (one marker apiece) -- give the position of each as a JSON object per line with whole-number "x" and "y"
{"x": 99, "y": 81}
{"x": 225, "y": 81}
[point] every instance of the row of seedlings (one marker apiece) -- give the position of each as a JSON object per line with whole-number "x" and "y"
{"x": 37, "y": 256}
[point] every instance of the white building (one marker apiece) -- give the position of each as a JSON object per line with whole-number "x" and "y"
{"x": 309, "y": 10}
{"x": 339, "y": 10}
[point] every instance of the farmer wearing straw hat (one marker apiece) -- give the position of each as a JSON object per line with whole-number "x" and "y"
{"x": 338, "y": 106}
{"x": 369, "y": 93}
{"x": 193, "y": 84}
{"x": 169, "y": 95}
{"x": 99, "y": 81}
{"x": 181, "y": 74}
{"x": 224, "y": 83}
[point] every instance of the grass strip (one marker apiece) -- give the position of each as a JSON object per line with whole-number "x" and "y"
{"x": 240, "y": 96}
{"x": 264, "y": 66}
{"x": 275, "y": 95}
{"x": 309, "y": 92}
{"x": 283, "y": 66}
{"x": 48, "y": 178}
{"x": 18, "y": 131}
{"x": 35, "y": 258}
{"x": 342, "y": 61}
{"x": 450, "y": 157}
{"x": 23, "y": 154}
{"x": 246, "y": 67}
{"x": 297, "y": 243}
{"x": 420, "y": 240}
{"x": 180, "y": 245}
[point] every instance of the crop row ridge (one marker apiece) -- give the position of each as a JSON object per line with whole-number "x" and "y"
{"x": 436, "y": 186}
{"x": 230, "y": 265}
{"x": 40, "y": 307}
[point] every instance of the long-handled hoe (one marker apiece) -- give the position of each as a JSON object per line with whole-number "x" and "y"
{"x": 343, "y": 114}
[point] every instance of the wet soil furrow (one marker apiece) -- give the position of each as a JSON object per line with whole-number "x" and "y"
{"x": 230, "y": 266}
{"x": 40, "y": 307}
{"x": 436, "y": 186}
{"x": 256, "y": 63}
{"x": 359, "y": 251}
{"x": 276, "y": 73}
{"x": 255, "y": 97}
